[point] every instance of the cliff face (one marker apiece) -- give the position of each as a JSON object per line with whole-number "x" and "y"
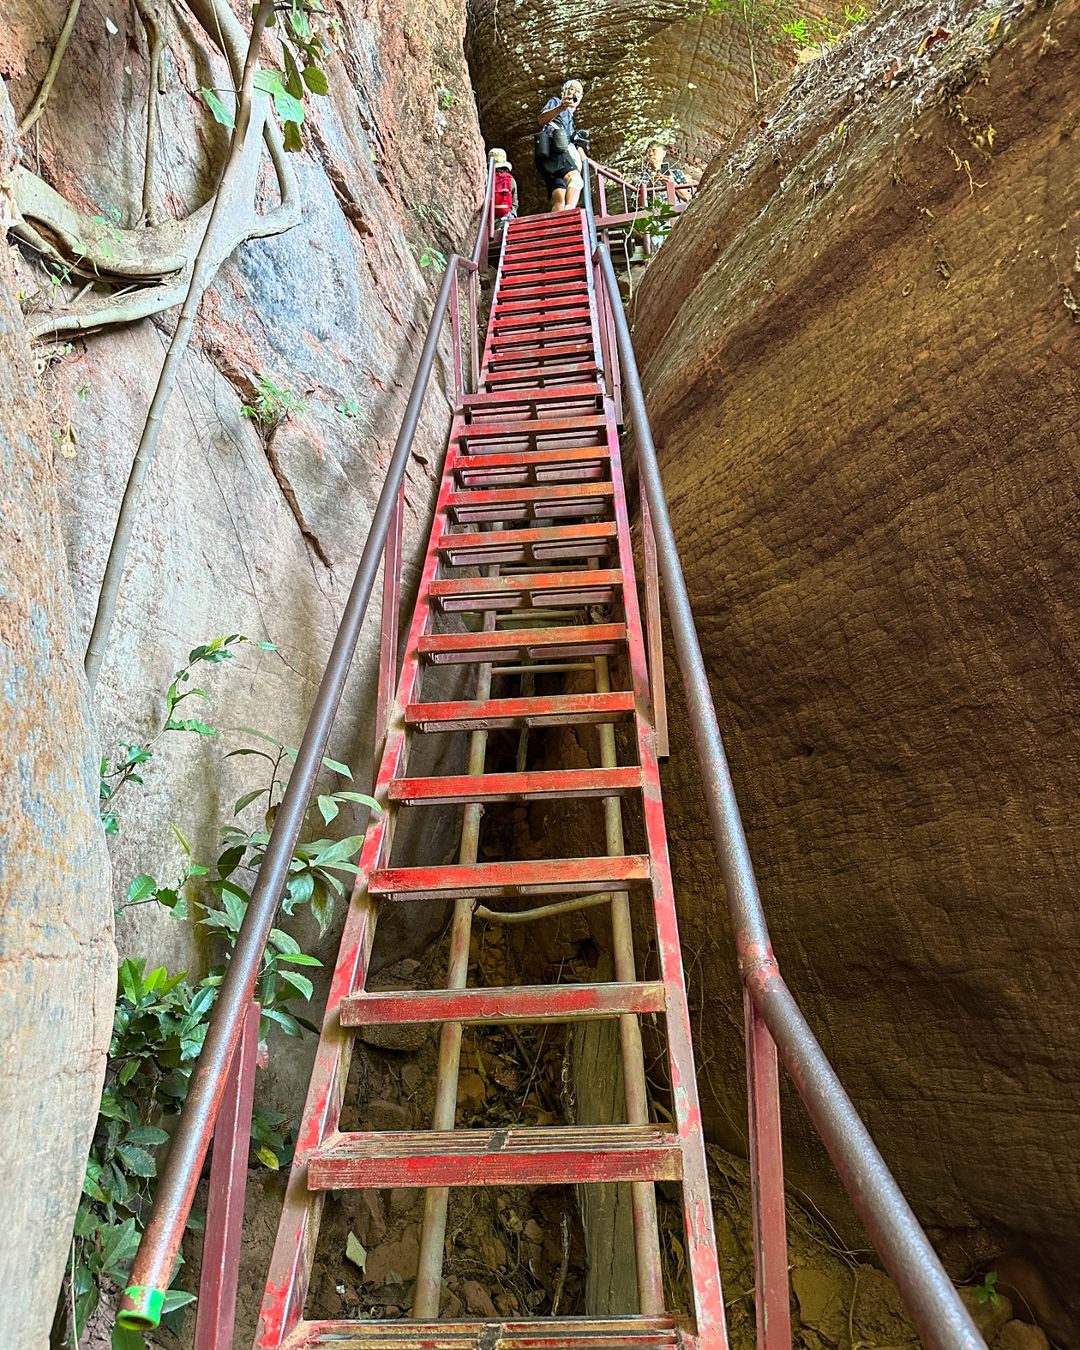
{"x": 243, "y": 529}
{"x": 861, "y": 364}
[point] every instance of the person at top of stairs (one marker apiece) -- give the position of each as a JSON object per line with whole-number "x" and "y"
{"x": 505, "y": 187}
{"x": 557, "y": 156}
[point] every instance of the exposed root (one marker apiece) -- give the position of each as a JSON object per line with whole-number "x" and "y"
{"x": 155, "y": 41}
{"x": 42, "y": 97}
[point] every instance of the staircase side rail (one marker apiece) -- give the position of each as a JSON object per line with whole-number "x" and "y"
{"x": 152, "y": 1270}
{"x": 935, "y": 1308}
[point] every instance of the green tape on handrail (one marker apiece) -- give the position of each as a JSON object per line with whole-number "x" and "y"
{"x": 144, "y": 1310}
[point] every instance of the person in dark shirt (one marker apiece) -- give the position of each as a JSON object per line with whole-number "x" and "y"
{"x": 560, "y": 169}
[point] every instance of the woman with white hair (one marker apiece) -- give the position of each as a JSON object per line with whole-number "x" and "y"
{"x": 558, "y": 158}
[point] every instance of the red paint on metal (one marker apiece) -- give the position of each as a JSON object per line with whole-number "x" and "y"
{"x": 552, "y": 1155}
{"x": 219, "y": 1274}
{"x": 514, "y": 787}
{"x": 543, "y": 876}
{"x": 537, "y": 711}
{"x": 524, "y": 1003}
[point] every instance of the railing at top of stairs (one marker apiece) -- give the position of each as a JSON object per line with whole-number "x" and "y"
{"x": 220, "y": 1082}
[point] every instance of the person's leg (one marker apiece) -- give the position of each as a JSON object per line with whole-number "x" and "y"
{"x": 558, "y": 199}
{"x": 574, "y": 184}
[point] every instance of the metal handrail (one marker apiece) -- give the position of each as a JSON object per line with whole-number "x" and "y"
{"x": 936, "y": 1310}
{"x": 152, "y": 1269}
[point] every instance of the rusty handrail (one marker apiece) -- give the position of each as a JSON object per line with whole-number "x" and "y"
{"x": 936, "y": 1310}
{"x": 152, "y": 1270}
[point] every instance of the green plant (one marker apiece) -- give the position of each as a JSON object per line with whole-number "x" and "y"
{"x": 427, "y": 255}
{"x": 273, "y": 403}
{"x": 130, "y": 757}
{"x": 350, "y": 407}
{"x": 987, "y": 1291}
{"x": 432, "y": 213}
{"x": 445, "y": 99}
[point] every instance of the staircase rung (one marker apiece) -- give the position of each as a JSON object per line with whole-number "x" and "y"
{"x": 518, "y": 468}
{"x": 531, "y": 426}
{"x": 553, "y": 710}
{"x": 537, "y": 325}
{"x": 532, "y": 591}
{"x": 629, "y": 1333}
{"x": 548, "y": 502}
{"x": 538, "y": 252}
{"x": 548, "y": 543}
{"x": 512, "y": 1156}
{"x": 555, "y": 372}
{"x": 510, "y": 398}
{"x": 510, "y": 880}
{"x": 524, "y": 279}
{"x": 524, "y": 644}
{"x": 525, "y": 1004}
{"x": 530, "y": 301}
{"x": 537, "y": 785}
{"x": 573, "y": 337}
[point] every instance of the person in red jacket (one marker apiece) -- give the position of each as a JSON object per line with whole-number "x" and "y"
{"x": 505, "y": 187}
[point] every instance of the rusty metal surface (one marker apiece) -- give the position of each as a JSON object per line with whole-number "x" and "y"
{"x": 519, "y": 1003}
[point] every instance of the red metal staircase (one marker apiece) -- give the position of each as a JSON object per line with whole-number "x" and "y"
{"x": 529, "y": 572}
{"x": 532, "y": 494}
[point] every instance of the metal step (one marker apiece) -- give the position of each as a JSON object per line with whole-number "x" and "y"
{"x": 513, "y": 1156}
{"x": 523, "y": 644}
{"x": 504, "y": 401}
{"x": 538, "y": 785}
{"x": 511, "y": 880}
{"x": 577, "y": 333}
{"x": 538, "y": 320}
{"x": 531, "y": 427}
{"x": 519, "y": 468}
{"x": 533, "y": 591}
{"x": 592, "y": 1333}
{"x": 555, "y": 710}
{"x": 532, "y": 300}
{"x": 555, "y": 543}
{"x": 550, "y": 502}
{"x": 520, "y": 1004}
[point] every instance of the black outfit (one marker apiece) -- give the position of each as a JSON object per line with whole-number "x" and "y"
{"x": 553, "y": 167}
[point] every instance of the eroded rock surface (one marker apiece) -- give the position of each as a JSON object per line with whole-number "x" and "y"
{"x": 862, "y": 356}
{"x": 57, "y": 959}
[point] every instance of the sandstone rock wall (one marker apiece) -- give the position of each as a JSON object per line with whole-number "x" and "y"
{"x": 57, "y": 959}
{"x": 861, "y": 351}
{"x": 240, "y": 532}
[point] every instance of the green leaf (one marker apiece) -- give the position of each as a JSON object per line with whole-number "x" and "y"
{"x": 329, "y": 808}
{"x": 190, "y": 724}
{"x": 128, "y": 1072}
{"x": 284, "y": 942}
{"x": 355, "y": 1251}
{"x": 300, "y": 983}
{"x": 316, "y": 80}
{"x": 267, "y": 646}
{"x": 268, "y": 1158}
{"x": 130, "y": 977}
{"x": 183, "y": 842}
{"x": 221, "y": 113}
{"x": 285, "y": 1020}
{"x": 336, "y": 767}
{"x": 340, "y": 852}
{"x": 110, "y": 822}
{"x": 293, "y": 142}
{"x": 293, "y": 82}
{"x": 247, "y": 799}
{"x": 137, "y": 1160}
{"x": 145, "y": 1134}
{"x": 361, "y": 798}
{"x": 230, "y": 859}
{"x": 143, "y": 886}
{"x": 299, "y": 959}
{"x": 124, "y": 1338}
{"x": 176, "y": 1298}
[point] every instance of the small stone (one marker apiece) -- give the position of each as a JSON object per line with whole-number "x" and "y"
{"x": 477, "y": 1299}
{"x": 821, "y": 1300}
{"x": 403, "y": 1200}
{"x": 1017, "y": 1335}
{"x": 398, "y": 1259}
{"x": 988, "y": 1314}
{"x": 507, "y": 1304}
{"x": 451, "y": 1305}
{"x": 365, "y": 1212}
{"x": 382, "y": 1115}
{"x": 534, "y": 1233}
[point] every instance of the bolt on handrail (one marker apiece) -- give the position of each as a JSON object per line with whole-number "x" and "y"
{"x": 936, "y": 1310}
{"x": 152, "y": 1269}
